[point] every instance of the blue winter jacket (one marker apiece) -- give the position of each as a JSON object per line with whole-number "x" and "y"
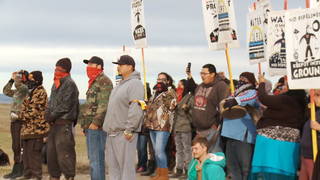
{"x": 212, "y": 168}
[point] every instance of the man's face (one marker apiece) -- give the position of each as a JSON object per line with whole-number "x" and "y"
{"x": 59, "y": 69}
{"x": 244, "y": 79}
{"x": 162, "y": 79}
{"x": 198, "y": 150}
{"x": 94, "y": 65}
{"x": 206, "y": 76}
{"x": 124, "y": 69}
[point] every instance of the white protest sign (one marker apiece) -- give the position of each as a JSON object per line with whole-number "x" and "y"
{"x": 220, "y": 24}
{"x": 314, "y": 3}
{"x": 256, "y": 37}
{"x": 276, "y": 47}
{"x": 138, "y": 27}
{"x": 303, "y": 56}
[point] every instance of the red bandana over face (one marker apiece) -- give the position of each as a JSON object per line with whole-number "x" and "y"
{"x": 93, "y": 73}
{"x": 58, "y": 75}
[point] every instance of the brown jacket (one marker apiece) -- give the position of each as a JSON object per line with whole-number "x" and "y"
{"x": 160, "y": 111}
{"x": 33, "y": 110}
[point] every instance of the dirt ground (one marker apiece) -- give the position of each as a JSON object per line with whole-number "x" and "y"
{"x": 82, "y": 160}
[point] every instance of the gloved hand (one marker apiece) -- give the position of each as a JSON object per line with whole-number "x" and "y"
{"x": 230, "y": 103}
{"x": 14, "y": 116}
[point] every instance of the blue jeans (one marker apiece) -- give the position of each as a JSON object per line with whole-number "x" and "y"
{"x": 142, "y": 151}
{"x": 159, "y": 142}
{"x": 96, "y": 142}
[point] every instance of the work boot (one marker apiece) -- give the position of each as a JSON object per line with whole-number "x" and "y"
{"x": 17, "y": 171}
{"x": 7, "y": 176}
{"x": 179, "y": 173}
{"x": 151, "y": 168}
{"x": 157, "y": 174}
{"x": 163, "y": 174}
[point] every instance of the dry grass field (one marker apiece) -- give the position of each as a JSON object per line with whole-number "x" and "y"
{"x": 5, "y": 144}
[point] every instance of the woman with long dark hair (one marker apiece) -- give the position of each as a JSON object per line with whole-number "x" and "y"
{"x": 159, "y": 121}
{"x": 276, "y": 153}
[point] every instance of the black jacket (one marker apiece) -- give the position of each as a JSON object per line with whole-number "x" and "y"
{"x": 64, "y": 102}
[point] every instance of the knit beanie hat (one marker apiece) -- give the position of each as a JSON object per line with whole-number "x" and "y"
{"x": 37, "y": 76}
{"x": 65, "y": 63}
{"x": 250, "y": 77}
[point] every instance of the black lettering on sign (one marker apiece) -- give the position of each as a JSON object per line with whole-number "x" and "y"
{"x": 302, "y": 70}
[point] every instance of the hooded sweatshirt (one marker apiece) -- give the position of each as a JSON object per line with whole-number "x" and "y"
{"x": 212, "y": 168}
{"x": 121, "y": 114}
{"x": 206, "y": 103}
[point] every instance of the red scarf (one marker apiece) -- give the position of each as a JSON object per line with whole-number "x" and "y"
{"x": 58, "y": 75}
{"x": 93, "y": 73}
{"x": 179, "y": 92}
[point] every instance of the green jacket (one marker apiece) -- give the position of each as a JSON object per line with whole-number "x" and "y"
{"x": 95, "y": 107}
{"x": 18, "y": 95}
{"x": 183, "y": 114}
{"x": 212, "y": 168}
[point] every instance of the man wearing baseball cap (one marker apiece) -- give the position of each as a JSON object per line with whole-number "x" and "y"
{"x": 123, "y": 120}
{"x": 93, "y": 113}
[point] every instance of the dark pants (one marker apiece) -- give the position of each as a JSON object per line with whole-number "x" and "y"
{"x": 238, "y": 155}
{"x": 32, "y": 157}
{"x": 142, "y": 150}
{"x": 15, "y": 129}
{"x": 61, "y": 152}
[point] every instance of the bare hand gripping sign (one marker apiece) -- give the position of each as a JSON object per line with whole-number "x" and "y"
{"x": 138, "y": 24}
{"x": 303, "y": 55}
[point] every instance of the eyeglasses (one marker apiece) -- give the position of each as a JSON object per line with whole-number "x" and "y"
{"x": 163, "y": 79}
{"x": 204, "y": 73}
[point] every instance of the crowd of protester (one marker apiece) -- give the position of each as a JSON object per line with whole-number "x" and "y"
{"x": 190, "y": 131}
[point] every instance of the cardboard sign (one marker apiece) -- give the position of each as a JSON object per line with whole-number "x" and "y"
{"x": 138, "y": 27}
{"x": 220, "y": 24}
{"x": 303, "y": 56}
{"x": 276, "y": 46}
{"x": 256, "y": 37}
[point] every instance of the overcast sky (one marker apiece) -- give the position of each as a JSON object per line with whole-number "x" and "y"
{"x": 34, "y": 34}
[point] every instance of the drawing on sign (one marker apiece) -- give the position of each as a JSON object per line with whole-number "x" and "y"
{"x": 256, "y": 43}
{"x": 307, "y": 37}
{"x": 303, "y": 56}
{"x": 139, "y": 31}
{"x": 220, "y": 25}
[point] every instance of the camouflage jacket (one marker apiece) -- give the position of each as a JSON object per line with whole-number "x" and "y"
{"x": 160, "y": 111}
{"x": 18, "y": 95}
{"x": 32, "y": 115}
{"x": 95, "y": 107}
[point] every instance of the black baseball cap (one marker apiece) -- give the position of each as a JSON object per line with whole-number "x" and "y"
{"x": 125, "y": 59}
{"x": 94, "y": 60}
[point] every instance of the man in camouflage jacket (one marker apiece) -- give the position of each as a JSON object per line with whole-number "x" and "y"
{"x": 34, "y": 127}
{"x": 18, "y": 79}
{"x": 92, "y": 116}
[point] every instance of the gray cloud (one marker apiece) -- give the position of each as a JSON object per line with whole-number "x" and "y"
{"x": 101, "y": 22}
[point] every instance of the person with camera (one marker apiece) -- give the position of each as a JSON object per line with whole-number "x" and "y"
{"x": 239, "y": 126}
{"x": 207, "y": 96}
{"x": 34, "y": 128}
{"x": 18, "y": 94}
